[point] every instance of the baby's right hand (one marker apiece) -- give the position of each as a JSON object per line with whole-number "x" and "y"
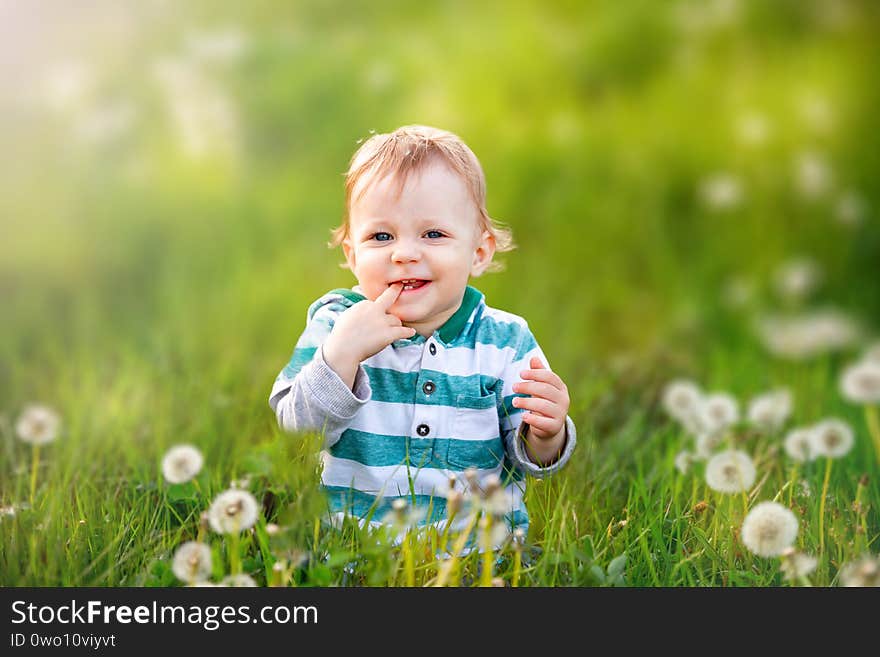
{"x": 366, "y": 329}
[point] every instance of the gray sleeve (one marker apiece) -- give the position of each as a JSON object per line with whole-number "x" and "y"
{"x": 517, "y": 448}
{"x": 511, "y": 425}
{"x": 318, "y": 400}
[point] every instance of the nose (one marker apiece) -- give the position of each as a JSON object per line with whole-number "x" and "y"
{"x": 406, "y": 250}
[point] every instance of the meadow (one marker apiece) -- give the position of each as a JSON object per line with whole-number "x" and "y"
{"x": 692, "y": 190}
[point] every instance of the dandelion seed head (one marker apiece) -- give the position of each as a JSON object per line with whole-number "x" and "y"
{"x": 813, "y": 175}
{"x": 470, "y": 475}
{"x": 454, "y": 501}
{"x": 770, "y": 411}
{"x": 681, "y": 399}
{"x": 796, "y": 279}
{"x": 233, "y": 511}
{"x": 863, "y": 572}
{"x": 683, "y": 461}
{"x": 806, "y": 335}
{"x": 860, "y": 383}
{"x": 731, "y": 471}
{"x": 181, "y": 463}
{"x": 37, "y": 425}
{"x": 707, "y": 443}
{"x": 241, "y": 580}
{"x": 718, "y": 411}
{"x": 832, "y": 438}
{"x": 797, "y": 564}
{"x": 753, "y": 129}
{"x": 850, "y": 209}
{"x": 721, "y": 191}
{"x": 491, "y": 485}
{"x": 768, "y": 529}
{"x": 192, "y": 562}
{"x": 799, "y": 445}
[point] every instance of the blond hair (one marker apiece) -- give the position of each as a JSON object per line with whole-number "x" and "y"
{"x": 410, "y": 149}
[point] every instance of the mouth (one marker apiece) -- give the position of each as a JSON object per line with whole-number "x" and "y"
{"x": 412, "y": 284}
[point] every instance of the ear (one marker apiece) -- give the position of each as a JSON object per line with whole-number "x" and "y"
{"x": 348, "y": 250}
{"x": 483, "y": 253}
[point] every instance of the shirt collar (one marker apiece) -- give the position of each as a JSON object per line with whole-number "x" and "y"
{"x": 451, "y": 328}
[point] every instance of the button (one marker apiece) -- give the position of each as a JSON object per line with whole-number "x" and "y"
{"x": 423, "y": 429}
{"x": 429, "y": 387}
{"x": 432, "y": 349}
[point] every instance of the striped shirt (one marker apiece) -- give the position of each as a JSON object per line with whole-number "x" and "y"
{"x": 421, "y": 410}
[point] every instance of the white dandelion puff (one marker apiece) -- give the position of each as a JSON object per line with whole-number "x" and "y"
{"x": 493, "y": 498}
{"x": 181, "y": 463}
{"x": 721, "y": 191}
{"x": 731, "y": 471}
{"x": 872, "y": 355}
{"x": 832, "y": 438}
{"x": 707, "y": 443}
{"x": 683, "y": 461}
{"x": 402, "y": 518}
{"x": 807, "y": 335}
{"x": 768, "y": 529}
{"x": 240, "y": 580}
{"x": 770, "y": 410}
{"x": 799, "y": 445}
{"x": 796, "y": 279}
{"x": 37, "y": 425}
{"x": 816, "y": 111}
{"x": 850, "y": 209}
{"x": 860, "y": 383}
{"x": 718, "y": 411}
{"x": 233, "y": 511}
{"x": 192, "y": 562}
{"x": 225, "y": 45}
{"x": 813, "y": 175}
{"x": 797, "y": 564}
{"x": 864, "y": 572}
{"x": 738, "y": 292}
{"x": 681, "y": 399}
{"x": 67, "y": 85}
{"x": 753, "y": 129}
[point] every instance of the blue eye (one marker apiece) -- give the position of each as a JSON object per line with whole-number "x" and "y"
{"x": 376, "y": 236}
{"x": 437, "y": 234}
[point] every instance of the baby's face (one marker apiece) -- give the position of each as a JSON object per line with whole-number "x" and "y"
{"x": 430, "y": 235}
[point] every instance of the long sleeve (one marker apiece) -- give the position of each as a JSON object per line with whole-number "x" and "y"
{"x": 510, "y": 417}
{"x": 308, "y": 395}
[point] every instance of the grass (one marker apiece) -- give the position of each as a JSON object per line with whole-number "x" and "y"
{"x": 152, "y": 292}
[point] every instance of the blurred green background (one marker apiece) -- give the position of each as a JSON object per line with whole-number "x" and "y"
{"x": 673, "y": 172}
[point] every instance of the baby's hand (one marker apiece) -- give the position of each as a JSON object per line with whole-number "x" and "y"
{"x": 548, "y": 405}
{"x": 366, "y": 329}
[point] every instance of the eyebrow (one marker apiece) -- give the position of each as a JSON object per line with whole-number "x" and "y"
{"x": 374, "y": 224}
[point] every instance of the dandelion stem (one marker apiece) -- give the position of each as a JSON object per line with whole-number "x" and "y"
{"x": 486, "y": 540}
{"x": 822, "y": 506}
{"x": 517, "y": 567}
{"x": 873, "y": 419}
{"x": 792, "y": 483}
{"x": 408, "y": 567}
{"x": 35, "y": 462}
{"x": 449, "y": 566}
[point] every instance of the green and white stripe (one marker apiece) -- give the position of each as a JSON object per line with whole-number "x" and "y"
{"x": 373, "y": 452}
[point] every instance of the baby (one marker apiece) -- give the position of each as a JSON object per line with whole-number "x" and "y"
{"x": 410, "y": 375}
